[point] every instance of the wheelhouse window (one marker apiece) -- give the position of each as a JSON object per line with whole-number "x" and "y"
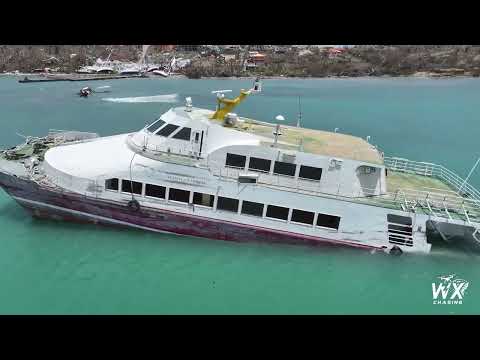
{"x": 155, "y": 191}
{"x": 283, "y": 168}
{"x": 310, "y": 172}
{"x": 234, "y": 160}
{"x": 183, "y": 134}
{"x": 277, "y": 212}
{"x": 111, "y": 184}
{"x": 167, "y": 130}
{"x": 252, "y": 208}
{"x": 329, "y": 221}
{"x": 303, "y": 217}
{"x": 156, "y": 125}
{"x": 203, "y": 199}
{"x": 258, "y": 164}
{"x": 179, "y": 195}
{"x": 227, "y": 204}
{"x": 131, "y": 187}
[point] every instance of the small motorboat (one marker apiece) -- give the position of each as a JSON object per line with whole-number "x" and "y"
{"x": 257, "y": 85}
{"x": 85, "y": 92}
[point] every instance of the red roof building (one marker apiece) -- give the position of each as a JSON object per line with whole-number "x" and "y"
{"x": 256, "y": 58}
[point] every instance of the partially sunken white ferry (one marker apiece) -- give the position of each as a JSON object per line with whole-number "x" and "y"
{"x": 214, "y": 174}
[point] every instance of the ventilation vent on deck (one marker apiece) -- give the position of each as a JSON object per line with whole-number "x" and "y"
{"x": 400, "y": 230}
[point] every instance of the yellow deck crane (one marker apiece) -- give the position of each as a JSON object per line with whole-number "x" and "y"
{"x": 225, "y": 106}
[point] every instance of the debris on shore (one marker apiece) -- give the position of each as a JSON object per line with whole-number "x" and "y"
{"x": 224, "y": 61}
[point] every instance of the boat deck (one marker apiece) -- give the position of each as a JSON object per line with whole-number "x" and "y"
{"x": 312, "y": 141}
{"x": 401, "y": 181}
{"x": 429, "y": 195}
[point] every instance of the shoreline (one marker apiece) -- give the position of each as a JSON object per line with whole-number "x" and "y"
{"x": 279, "y": 77}
{"x": 431, "y": 76}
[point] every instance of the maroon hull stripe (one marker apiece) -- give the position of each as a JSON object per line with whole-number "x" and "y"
{"x": 44, "y": 203}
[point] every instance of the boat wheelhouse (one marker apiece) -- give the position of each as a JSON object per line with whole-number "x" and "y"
{"x": 214, "y": 174}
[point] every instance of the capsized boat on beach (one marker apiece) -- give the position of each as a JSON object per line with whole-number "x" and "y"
{"x": 161, "y": 73}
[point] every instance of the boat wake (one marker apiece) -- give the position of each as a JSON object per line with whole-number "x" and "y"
{"x": 104, "y": 87}
{"x": 168, "y": 98}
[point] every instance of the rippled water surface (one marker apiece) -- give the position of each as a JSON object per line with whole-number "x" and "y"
{"x": 60, "y": 268}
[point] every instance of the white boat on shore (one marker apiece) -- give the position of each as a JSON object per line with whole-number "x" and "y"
{"x": 130, "y": 69}
{"x": 161, "y": 73}
{"x": 86, "y": 70}
{"x": 151, "y": 68}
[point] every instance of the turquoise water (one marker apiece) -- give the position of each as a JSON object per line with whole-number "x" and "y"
{"x": 59, "y": 268}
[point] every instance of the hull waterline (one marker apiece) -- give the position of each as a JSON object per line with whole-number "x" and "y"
{"x": 47, "y": 204}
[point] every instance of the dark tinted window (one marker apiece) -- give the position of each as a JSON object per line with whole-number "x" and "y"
{"x": 283, "y": 168}
{"x": 156, "y": 125}
{"x": 183, "y": 134}
{"x": 111, "y": 184}
{"x": 259, "y": 164}
{"x": 329, "y": 221}
{"x": 277, "y": 212}
{"x": 309, "y": 172}
{"x": 167, "y": 130}
{"x": 399, "y": 219}
{"x": 247, "y": 180}
{"x": 227, "y": 204}
{"x": 397, "y": 228}
{"x": 155, "y": 191}
{"x": 128, "y": 186}
{"x": 179, "y": 195}
{"x": 301, "y": 216}
{"x": 252, "y": 208}
{"x": 203, "y": 199}
{"x": 236, "y": 160}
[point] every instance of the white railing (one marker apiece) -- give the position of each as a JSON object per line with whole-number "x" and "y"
{"x": 440, "y": 172}
{"x": 436, "y": 202}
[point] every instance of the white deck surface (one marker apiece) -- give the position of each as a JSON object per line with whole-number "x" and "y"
{"x": 94, "y": 158}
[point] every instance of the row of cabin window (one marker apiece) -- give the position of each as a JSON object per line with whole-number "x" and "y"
{"x": 279, "y": 167}
{"x": 159, "y": 192}
{"x": 184, "y": 133}
{"x": 226, "y": 204}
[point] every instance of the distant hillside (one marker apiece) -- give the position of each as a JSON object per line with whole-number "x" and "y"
{"x": 302, "y": 61}
{"x": 67, "y": 58}
{"x": 357, "y": 61}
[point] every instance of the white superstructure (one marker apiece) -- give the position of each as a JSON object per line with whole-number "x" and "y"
{"x": 325, "y": 186}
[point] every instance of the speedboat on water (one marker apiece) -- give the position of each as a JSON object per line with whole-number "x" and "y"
{"x": 214, "y": 174}
{"x": 85, "y": 92}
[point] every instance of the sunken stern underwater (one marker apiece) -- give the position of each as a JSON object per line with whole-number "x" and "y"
{"x": 216, "y": 175}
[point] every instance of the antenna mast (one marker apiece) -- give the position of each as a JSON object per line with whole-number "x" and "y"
{"x": 299, "y": 112}
{"x": 468, "y": 176}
